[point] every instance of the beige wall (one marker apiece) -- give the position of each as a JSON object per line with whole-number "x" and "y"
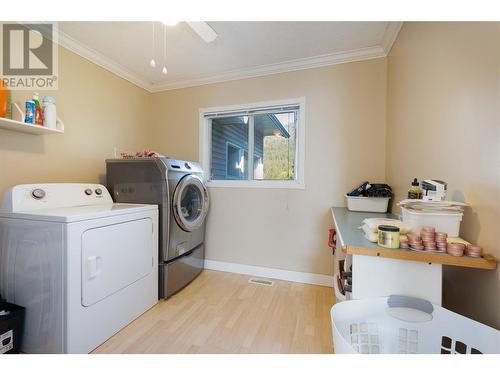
{"x": 345, "y": 144}
{"x": 443, "y": 121}
{"x": 277, "y": 228}
{"x": 100, "y": 111}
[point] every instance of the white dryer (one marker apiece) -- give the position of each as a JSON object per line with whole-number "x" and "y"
{"x": 83, "y": 266}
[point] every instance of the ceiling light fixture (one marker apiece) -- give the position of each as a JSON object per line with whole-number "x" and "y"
{"x": 203, "y": 29}
{"x": 164, "y": 70}
{"x": 152, "y": 63}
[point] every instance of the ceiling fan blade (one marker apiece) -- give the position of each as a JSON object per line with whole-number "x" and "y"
{"x": 204, "y": 30}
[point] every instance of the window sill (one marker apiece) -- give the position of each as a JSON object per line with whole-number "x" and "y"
{"x": 256, "y": 184}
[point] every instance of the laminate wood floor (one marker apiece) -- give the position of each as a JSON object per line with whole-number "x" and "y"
{"x": 222, "y": 312}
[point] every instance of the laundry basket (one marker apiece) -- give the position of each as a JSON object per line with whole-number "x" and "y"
{"x": 407, "y": 325}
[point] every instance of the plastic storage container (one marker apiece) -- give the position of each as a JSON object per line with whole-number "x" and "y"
{"x": 448, "y": 222}
{"x": 369, "y": 326}
{"x": 49, "y": 112}
{"x": 367, "y": 204}
{"x": 11, "y": 328}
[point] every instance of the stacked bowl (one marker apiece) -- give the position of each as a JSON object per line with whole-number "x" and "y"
{"x": 456, "y": 249}
{"x": 428, "y": 235}
{"x": 441, "y": 241}
{"x": 415, "y": 241}
{"x": 428, "y": 240}
{"x": 474, "y": 251}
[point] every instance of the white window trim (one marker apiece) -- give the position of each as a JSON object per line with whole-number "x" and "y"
{"x": 205, "y": 141}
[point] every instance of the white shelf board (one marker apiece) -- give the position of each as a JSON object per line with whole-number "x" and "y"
{"x": 22, "y": 127}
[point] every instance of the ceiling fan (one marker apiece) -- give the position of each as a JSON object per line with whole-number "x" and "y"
{"x": 203, "y": 30}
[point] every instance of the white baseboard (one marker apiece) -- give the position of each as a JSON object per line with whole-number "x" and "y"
{"x": 272, "y": 273}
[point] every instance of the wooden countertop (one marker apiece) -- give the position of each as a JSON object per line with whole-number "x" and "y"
{"x": 352, "y": 241}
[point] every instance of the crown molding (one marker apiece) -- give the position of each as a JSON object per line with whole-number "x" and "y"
{"x": 282, "y": 67}
{"x": 99, "y": 59}
{"x": 391, "y": 33}
{"x": 382, "y": 50}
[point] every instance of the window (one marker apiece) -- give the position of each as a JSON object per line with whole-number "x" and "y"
{"x": 254, "y": 145}
{"x": 236, "y": 160}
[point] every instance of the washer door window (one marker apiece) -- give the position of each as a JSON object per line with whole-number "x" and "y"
{"x": 190, "y": 203}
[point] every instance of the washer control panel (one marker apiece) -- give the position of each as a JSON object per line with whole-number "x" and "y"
{"x": 182, "y": 165}
{"x": 43, "y": 196}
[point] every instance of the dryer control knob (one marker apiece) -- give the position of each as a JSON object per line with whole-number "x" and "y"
{"x": 187, "y": 165}
{"x": 98, "y": 191}
{"x": 88, "y": 191}
{"x": 38, "y": 193}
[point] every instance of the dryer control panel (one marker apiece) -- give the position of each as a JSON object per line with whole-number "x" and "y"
{"x": 30, "y": 197}
{"x": 182, "y": 165}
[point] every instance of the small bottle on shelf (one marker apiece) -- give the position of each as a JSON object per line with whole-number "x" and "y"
{"x": 49, "y": 112}
{"x": 415, "y": 192}
{"x": 38, "y": 114}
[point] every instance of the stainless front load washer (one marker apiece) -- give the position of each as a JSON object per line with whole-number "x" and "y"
{"x": 178, "y": 189}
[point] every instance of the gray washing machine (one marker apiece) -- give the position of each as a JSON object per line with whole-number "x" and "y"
{"x": 177, "y": 187}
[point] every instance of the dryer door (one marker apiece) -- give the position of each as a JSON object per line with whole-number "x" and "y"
{"x": 190, "y": 204}
{"x": 114, "y": 257}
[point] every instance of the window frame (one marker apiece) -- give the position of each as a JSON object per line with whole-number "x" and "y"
{"x": 205, "y": 145}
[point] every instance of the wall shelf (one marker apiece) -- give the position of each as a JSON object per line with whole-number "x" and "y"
{"x": 22, "y": 127}
{"x": 487, "y": 262}
{"x": 352, "y": 241}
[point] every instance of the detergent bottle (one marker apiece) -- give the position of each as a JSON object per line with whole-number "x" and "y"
{"x": 38, "y": 110}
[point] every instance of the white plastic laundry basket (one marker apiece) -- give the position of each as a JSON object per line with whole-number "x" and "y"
{"x": 368, "y": 326}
